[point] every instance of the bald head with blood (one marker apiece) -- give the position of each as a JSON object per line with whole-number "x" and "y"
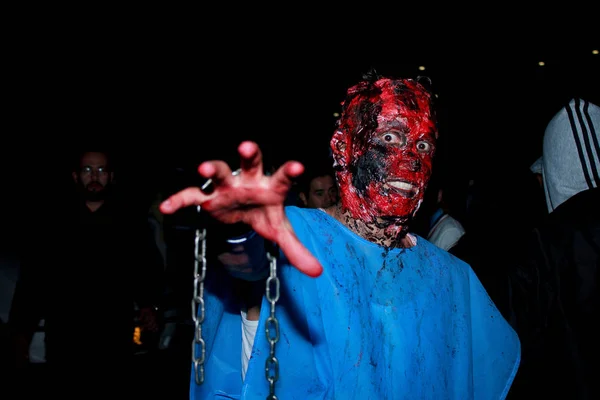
{"x": 383, "y": 149}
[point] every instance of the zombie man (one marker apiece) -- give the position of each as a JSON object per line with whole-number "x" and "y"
{"x": 365, "y": 309}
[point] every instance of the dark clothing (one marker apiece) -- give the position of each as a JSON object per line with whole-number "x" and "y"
{"x": 83, "y": 279}
{"x": 498, "y": 226}
{"x": 554, "y": 303}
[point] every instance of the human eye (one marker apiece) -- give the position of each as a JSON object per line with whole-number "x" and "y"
{"x": 395, "y": 138}
{"x": 423, "y": 146}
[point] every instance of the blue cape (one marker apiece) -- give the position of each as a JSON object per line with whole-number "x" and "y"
{"x": 378, "y": 323}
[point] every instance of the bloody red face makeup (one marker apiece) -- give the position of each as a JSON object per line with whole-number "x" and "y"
{"x": 383, "y": 148}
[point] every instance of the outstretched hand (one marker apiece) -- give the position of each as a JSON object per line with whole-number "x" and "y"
{"x": 250, "y": 197}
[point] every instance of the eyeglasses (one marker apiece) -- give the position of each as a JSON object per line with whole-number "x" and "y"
{"x": 89, "y": 170}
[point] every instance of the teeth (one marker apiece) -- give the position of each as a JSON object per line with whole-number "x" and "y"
{"x": 401, "y": 185}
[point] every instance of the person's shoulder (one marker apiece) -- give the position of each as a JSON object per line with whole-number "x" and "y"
{"x": 314, "y": 219}
{"x": 454, "y": 223}
{"x": 442, "y": 257}
{"x": 581, "y": 210}
{"x": 584, "y": 203}
{"x": 302, "y": 212}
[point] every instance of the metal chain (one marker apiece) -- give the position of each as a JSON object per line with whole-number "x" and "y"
{"x": 198, "y": 311}
{"x": 198, "y": 344}
{"x": 272, "y": 364}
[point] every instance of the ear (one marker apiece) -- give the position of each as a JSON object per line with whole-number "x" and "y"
{"x": 338, "y": 147}
{"x": 112, "y": 177}
{"x": 75, "y": 177}
{"x": 303, "y": 199}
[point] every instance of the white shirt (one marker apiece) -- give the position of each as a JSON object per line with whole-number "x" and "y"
{"x": 248, "y": 333}
{"x": 446, "y": 232}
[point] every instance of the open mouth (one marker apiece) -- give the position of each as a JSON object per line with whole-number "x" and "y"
{"x": 405, "y": 188}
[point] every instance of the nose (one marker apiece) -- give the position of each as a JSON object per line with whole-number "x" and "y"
{"x": 412, "y": 164}
{"x": 415, "y": 165}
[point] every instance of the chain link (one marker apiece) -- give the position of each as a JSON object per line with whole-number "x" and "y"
{"x": 198, "y": 311}
{"x": 198, "y": 344}
{"x": 272, "y": 294}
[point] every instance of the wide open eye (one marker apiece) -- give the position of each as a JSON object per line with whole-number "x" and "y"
{"x": 423, "y": 146}
{"x": 396, "y": 138}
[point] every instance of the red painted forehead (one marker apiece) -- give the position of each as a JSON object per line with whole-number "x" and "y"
{"x": 388, "y": 101}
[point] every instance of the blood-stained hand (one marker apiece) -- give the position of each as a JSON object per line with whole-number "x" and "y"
{"x": 250, "y": 197}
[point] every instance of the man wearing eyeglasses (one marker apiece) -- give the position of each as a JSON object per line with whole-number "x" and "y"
{"x": 93, "y": 178}
{"x": 87, "y": 268}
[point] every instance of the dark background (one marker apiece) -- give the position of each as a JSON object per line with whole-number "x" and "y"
{"x": 168, "y": 91}
{"x": 167, "y": 96}
{"x": 158, "y": 106}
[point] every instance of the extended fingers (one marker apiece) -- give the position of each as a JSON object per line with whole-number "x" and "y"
{"x": 298, "y": 255}
{"x": 288, "y": 171}
{"x": 251, "y": 160}
{"x": 184, "y": 198}
{"x": 218, "y": 171}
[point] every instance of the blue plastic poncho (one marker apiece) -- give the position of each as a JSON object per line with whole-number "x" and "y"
{"x": 377, "y": 324}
